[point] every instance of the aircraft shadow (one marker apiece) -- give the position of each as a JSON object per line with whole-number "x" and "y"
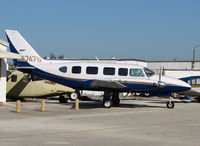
{"x": 97, "y": 103}
{"x": 122, "y": 105}
{"x": 127, "y": 105}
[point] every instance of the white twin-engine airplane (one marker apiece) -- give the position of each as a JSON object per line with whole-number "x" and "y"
{"x": 111, "y": 78}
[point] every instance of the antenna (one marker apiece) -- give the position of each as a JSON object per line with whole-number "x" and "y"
{"x": 97, "y": 59}
{"x": 194, "y": 55}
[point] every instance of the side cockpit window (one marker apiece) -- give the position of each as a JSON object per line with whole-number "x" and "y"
{"x": 148, "y": 72}
{"x": 136, "y": 72}
{"x": 63, "y": 69}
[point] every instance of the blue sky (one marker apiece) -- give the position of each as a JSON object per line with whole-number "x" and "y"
{"x": 133, "y": 29}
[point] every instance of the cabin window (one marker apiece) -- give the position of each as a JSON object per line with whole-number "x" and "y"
{"x": 123, "y": 71}
{"x": 63, "y": 69}
{"x": 136, "y": 72}
{"x": 109, "y": 71}
{"x": 14, "y": 78}
{"x": 92, "y": 70}
{"x": 76, "y": 69}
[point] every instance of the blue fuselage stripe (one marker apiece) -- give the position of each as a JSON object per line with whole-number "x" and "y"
{"x": 85, "y": 85}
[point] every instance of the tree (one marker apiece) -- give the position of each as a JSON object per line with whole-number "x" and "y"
{"x": 61, "y": 57}
{"x": 52, "y": 56}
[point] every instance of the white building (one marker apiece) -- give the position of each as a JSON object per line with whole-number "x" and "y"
{"x": 3, "y": 66}
{"x": 177, "y": 69}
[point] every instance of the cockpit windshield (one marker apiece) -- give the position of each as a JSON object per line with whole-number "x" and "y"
{"x": 148, "y": 72}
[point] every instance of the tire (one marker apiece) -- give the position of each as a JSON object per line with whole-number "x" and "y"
{"x": 107, "y": 104}
{"x": 137, "y": 94}
{"x": 73, "y": 96}
{"x": 170, "y": 104}
{"x": 62, "y": 99}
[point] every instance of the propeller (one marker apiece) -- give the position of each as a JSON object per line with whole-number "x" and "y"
{"x": 160, "y": 83}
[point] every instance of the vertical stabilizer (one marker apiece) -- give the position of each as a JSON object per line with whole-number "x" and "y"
{"x": 19, "y": 45}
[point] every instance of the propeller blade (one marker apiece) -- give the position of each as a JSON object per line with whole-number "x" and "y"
{"x": 160, "y": 74}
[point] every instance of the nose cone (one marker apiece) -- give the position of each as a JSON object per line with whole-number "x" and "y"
{"x": 184, "y": 86}
{"x": 176, "y": 84}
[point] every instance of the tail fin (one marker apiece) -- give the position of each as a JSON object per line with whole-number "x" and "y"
{"x": 19, "y": 45}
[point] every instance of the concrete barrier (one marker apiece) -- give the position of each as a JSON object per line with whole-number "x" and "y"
{"x": 77, "y": 104}
{"x": 43, "y": 106}
{"x": 18, "y": 106}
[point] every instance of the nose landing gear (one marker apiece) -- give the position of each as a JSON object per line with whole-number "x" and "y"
{"x": 170, "y": 103}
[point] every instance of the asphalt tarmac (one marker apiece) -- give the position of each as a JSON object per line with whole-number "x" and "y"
{"x": 144, "y": 122}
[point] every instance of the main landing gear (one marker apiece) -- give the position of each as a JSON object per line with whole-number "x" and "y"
{"x": 72, "y": 96}
{"x": 108, "y": 101}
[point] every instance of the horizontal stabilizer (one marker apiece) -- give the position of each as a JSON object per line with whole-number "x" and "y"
{"x": 9, "y": 55}
{"x": 25, "y": 69}
{"x": 4, "y": 53}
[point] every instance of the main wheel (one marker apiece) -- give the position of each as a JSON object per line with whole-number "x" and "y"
{"x": 137, "y": 94}
{"x": 170, "y": 104}
{"x": 62, "y": 99}
{"x": 73, "y": 96}
{"x": 147, "y": 94}
{"x": 107, "y": 104}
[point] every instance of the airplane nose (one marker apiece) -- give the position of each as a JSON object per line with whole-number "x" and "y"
{"x": 175, "y": 84}
{"x": 186, "y": 85}
{"x": 182, "y": 86}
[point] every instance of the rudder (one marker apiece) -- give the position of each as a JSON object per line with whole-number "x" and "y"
{"x": 19, "y": 45}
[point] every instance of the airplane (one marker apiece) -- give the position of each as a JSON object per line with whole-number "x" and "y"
{"x": 20, "y": 85}
{"x": 111, "y": 78}
{"x": 194, "y": 82}
{"x": 4, "y": 55}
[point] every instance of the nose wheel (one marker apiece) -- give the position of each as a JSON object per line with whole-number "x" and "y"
{"x": 170, "y": 103}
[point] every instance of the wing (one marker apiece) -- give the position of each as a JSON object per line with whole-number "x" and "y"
{"x": 107, "y": 84}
